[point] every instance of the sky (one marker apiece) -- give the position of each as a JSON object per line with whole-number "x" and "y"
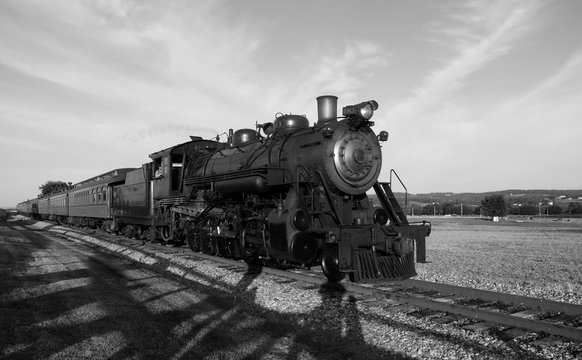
{"x": 476, "y": 95}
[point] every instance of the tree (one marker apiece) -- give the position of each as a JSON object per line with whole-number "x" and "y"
{"x": 448, "y": 208}
{"x": 432, "y": 209}
{"x": 574, "y": 208}
{"x": 51, "y": 187}
{"x": 554, "y": 210}
{"x": 529, "y": 210}
{"x": 415, "y": 209}
{"x": 494, "y": 205}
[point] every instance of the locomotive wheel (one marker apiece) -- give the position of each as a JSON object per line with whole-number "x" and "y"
{"x": 193, "y": 237}
{"x": 246, "y": 249}
{"x": 330, "y": 264}
{"x": 207, "y": 244}
{"x": 225, "y": 248}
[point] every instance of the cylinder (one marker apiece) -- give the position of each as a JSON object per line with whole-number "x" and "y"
{"x": 326, "y": 108}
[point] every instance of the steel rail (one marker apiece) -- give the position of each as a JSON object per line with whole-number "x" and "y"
{"x": 480, "y": 314}
{"x": 416, "y": 300}
{"x": 548, "y": 305}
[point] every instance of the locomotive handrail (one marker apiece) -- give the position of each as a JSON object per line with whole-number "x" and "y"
{"x": 240, "y": 174}
{"x": 404, "y": 186}
{"x": 329, "y": 199}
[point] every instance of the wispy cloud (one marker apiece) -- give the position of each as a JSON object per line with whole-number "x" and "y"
{"x": 458, "y": 134}
{"x": 132, "y": 64}
{"x": 342, "y": 71}
{"x": 480, "y": 33}
{"x": 551, "y": 107}
{"x": 564, "y": 84}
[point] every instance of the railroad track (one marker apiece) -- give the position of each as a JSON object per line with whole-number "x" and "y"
{"x": 489, "y": 310}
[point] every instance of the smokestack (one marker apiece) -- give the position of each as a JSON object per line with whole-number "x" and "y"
{"x": 326, "y": 108}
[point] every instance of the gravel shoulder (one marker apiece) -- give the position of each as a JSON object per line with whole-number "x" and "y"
{"x": 537, "y": 258}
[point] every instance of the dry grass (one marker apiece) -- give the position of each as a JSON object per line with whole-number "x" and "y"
{"x": 533, "y": 258}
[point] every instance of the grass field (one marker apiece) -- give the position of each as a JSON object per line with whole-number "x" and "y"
{"x": 532, "y": 257}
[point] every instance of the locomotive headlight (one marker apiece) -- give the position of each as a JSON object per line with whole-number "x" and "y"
{"x": 362, "y": 111}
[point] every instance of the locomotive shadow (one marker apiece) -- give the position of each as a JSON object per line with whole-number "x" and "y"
{"x": 343, "y": 335}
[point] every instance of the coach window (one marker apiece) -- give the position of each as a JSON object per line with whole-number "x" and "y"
{"x": 104, "y": 194}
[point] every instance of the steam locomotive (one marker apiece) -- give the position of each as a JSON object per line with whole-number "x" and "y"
{"x": 285, "y": 194}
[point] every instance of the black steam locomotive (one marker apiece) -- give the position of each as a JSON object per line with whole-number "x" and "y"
{"x": 285, "y": 193}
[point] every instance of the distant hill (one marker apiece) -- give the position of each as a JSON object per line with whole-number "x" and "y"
{"x": 466, "y": 203}
{"x": 511, "y": 195}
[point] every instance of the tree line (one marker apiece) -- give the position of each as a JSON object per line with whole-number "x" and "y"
{"x": 495, "y": 205}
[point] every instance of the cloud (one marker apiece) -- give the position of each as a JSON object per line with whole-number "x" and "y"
{"x": 550, "y": 110}
{"x": 481, "y": 33}
{"x": 343, "y": 71}
{"x": 141, "y": 65}
{"x": 564, "y": 84}
{"x": 440, "y": 123}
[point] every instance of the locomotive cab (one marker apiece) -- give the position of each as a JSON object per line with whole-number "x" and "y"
{"x": 167, "y": 170}
{"x": 168, "y": 167}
